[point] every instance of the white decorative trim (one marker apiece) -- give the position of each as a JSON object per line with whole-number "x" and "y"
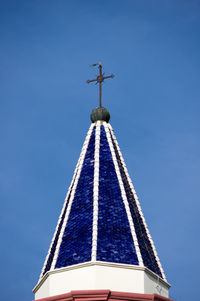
{"x": 62, "y": 211}
{"x": 77, "y": 176}
{"x": 137, "y": 203}
{"x": 58, "y": 223}
{"x": 100, "y": 263}
{"x": 123, "y": 194}
{"x": 95, "y": 192}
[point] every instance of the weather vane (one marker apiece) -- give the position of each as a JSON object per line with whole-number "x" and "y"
{"x": 99, "y": 80}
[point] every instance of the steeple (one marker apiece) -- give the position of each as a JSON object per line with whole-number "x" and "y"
{"x": 101, "y": 240}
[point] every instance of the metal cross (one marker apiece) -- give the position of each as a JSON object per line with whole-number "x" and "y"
{"x": 99, "y": 79}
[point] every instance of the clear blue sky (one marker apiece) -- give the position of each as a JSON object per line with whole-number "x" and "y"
{"x": 46, "y": 48}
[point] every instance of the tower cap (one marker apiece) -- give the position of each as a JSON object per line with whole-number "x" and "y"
{"x": 100, "y": 114}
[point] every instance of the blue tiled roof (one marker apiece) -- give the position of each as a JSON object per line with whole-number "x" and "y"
{"x": 101, "y": 219}
{"x": 114, "y": 240}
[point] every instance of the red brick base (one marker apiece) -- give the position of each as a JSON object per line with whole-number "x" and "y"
{"x": 104, "y": 295}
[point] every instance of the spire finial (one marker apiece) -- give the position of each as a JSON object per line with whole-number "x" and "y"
{"x": 99, "y": 79}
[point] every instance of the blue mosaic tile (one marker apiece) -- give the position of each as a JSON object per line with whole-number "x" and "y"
{"x": 146, "y": 250}
{"x": 53, "y": 247}
{"x": 77, "y": 238}
{"x": 114, "y": 241}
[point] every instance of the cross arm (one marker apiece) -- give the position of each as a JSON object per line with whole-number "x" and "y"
{"x": 109, "y": 76}
{"x": 91, "y": 80}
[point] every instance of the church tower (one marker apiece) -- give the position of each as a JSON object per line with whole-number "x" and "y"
{"x": 101, "y": 248}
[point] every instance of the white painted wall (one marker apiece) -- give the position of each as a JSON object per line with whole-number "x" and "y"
{"x": 101, "y": 275}
{"x": 154, "y": 286}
